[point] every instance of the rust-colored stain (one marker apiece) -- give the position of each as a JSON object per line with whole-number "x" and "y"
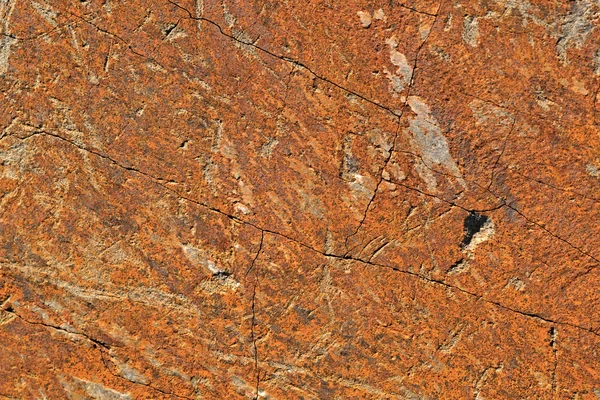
{"x": 299, "y": 199}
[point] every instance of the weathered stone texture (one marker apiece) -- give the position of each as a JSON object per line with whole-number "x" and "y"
{"x": 299, "y": 199}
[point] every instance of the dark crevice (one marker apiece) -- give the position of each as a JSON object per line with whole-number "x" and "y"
{"x": 393, "y": 147}
{"x": 290, "y": 60}
{"x": 148, "y": 385}
{"x": 221, "y": 275}
{"x": 473, "y": 224}
{"x": 299, "y": 64}
{"x": 378, "y": 249}
{"x": 550, "y": 185}
{"x": 509, "y": 206}
{"x": 527, "y": 314}
{"x": 96, "y": 342}
{"x": 99, "y": 344}
{"x": 502, "y": 204}
{"x": 415, "y": 10}
{"x": 157, "y": 181}
{"x": 449, "y": 202}
{"x": 543, "y": 227}
{"x": 119, "y": 38}
{"x": 379, "y": 182}
{"x": 34, "y": 37}
{"x": 170, "y": 27}
{"x": 253, "y": 338}
{"x": 456, "y": 266}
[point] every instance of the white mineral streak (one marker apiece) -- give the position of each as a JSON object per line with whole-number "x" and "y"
{"x": 430, "y": 144}
{"x": 403, "y": 75}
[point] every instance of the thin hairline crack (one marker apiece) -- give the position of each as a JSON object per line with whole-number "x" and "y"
{"x": 99, "y": 344}
{"x": 393, "y": 147}
{"x": 264, "y": 231}
{"x": 252, "y": 268}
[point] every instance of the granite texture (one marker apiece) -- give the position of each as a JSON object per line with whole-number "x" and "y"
{"x": 299, "y": 199}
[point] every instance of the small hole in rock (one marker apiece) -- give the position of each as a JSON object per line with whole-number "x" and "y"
{"x": 473, "y": 224}
{"x": 221, "y": 274}
{"x": 457, "y": 265}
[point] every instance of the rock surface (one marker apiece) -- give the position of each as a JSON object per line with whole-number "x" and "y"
{"x": 299, "y": 199}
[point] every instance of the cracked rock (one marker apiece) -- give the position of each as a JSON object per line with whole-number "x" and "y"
{"x": 318, "y": 200}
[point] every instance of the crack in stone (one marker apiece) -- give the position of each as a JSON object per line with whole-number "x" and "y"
{"x": 100, "y": 29}
{"x": 148, "y": 385}
{"x": 109, "y": 33}
{"x": 541, "y": 182}
{"x": 253, "y": 327}
{"x": 415, "y": 10}
{"x": 513, "y": 208}
{"x": 345, "y": 257}
{"x": 36, "y": 36}
{"x": 581, "y": 274}
{"x": 392, "y": 148}
{"x": 159, "y": 181}
{"x": 486, "y": 100}
{"x": 532, "y": 315}
{"x": 99, "y": 344}
{"x": 449, "y": 202}
{"x": 290, "y": 60}
{"x": 543, "y": 227}
{"x": 498, "y": 165}
{"x": 381, "y": 179}
{"x": 301, "y": 65}
{"x": 379, "y": 249}
{"x": 502, "y": 203}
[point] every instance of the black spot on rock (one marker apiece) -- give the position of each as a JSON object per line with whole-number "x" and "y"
{"x": 473, "y": 224}
{"x": 221, "y": 274}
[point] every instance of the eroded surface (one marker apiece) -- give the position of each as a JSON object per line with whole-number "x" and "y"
{"x": 235, "y": 199}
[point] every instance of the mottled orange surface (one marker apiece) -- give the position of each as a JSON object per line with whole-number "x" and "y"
{"x": 299, "y": 199}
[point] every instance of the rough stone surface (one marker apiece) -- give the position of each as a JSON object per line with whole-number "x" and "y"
{"x": 299, "y": 199}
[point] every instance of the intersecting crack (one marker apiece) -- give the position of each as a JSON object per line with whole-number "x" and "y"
{"x": 264, "y": 231}
{"x": 393, "y": 147}
{"x": 112, "y": 34}
{"x": 358, "y": 259}
{"x": 498, "y": 165}
{"x": 348, "y": 90}
{"x": 36, "y": 36}
{"x": 290, "y": 60}
{"x": 158, "y": 181}
{"x": 550, "y": 185}
{"x": 502, "y": 203}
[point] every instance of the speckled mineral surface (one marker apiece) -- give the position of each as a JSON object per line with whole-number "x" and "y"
{"x": 260, "y": 199}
